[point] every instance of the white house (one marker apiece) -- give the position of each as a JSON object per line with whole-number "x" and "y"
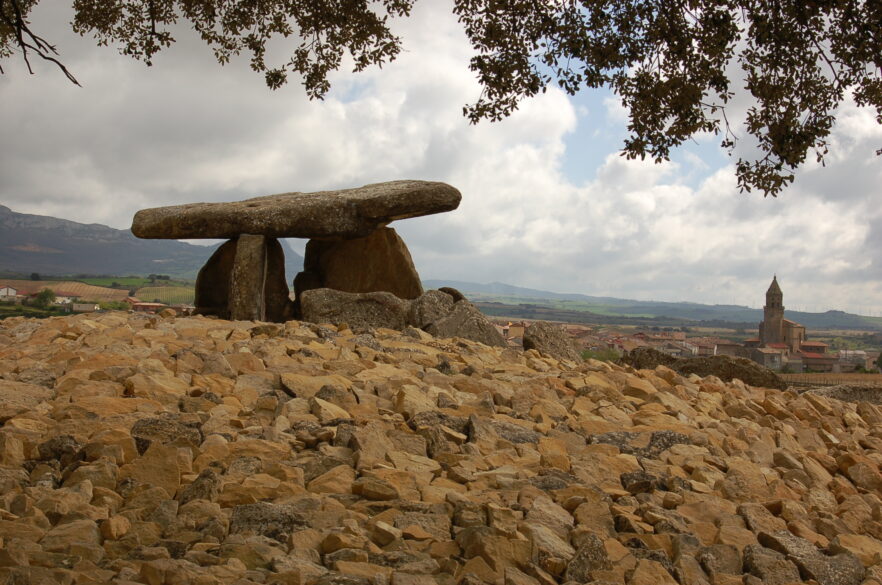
{"x": 7, "y": 292}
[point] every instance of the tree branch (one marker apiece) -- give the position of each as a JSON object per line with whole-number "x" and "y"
{"x": 40, "y": 46}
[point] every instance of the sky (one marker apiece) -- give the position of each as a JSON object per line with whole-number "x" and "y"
{"x": 548, "y": 203}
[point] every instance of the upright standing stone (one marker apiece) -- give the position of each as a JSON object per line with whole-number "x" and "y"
{"x": 213, "y": 282}
{"x": 248, "y": 278}
{"x": 278, "y": 304}
{"x": 378, "y": 262}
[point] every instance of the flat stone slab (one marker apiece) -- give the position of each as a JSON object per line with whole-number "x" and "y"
{"x": 344, "y": 214}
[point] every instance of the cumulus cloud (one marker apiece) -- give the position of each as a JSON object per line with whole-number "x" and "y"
{"x": 189, "y": 130}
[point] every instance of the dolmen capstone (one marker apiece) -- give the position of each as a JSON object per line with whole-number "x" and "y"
{"x": 351, "y": 256}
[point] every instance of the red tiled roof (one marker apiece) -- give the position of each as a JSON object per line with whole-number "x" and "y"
{"x": 814, "y": 343}
{"x": 817, "y": 356}
{"x": 777, "y": 345}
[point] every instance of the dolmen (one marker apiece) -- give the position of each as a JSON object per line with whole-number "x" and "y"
{"x": 356, "y": 269}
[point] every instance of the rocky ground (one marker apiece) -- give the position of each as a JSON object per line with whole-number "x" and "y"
{"x": 138, "y": 449}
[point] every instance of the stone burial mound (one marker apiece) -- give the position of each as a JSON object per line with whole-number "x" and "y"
{"x": 350, "y": 249}
{"x": 163, "y": 451}
{"x": 356, "y": 270}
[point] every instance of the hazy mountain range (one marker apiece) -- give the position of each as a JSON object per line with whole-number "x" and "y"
{"x": 59, "y": 247}
{"x": 525, "y": 300}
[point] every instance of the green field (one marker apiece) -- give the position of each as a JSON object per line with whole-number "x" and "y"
{"x": 131, "y": 281}
{"x": 170, "y": 295}
{"x": 8, "y": 310}
{"x": 559, "y": 304}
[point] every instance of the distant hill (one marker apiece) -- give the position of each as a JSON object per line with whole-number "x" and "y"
{"x": 649, "y": 311}
{"x": 59, "y": 247}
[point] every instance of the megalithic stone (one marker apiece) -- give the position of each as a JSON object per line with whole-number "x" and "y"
{"x": 245, "y": 279}
{"x": 248, "y": 279}
{"x": 347, "y": 213}
{"x": 378, "y": 262}
{"x": 213, "y": 282}
{"x": 277, "y": 302}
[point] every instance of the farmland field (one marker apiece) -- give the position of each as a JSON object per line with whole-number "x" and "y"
{"x": 68, "y": 288}
{"x": 171, "y": 295}
{"x": 130, "y": 281}
{"x": 10, "y": 310}
{"x": 833, "y": 379}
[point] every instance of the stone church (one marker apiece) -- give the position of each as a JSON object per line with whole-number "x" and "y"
{"x": 775, "y": 331}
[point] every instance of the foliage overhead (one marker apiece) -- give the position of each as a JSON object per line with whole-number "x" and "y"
{"x": 673, "y": 64}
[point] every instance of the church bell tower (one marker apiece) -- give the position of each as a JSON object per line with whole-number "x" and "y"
{"x": 771, "y": 329}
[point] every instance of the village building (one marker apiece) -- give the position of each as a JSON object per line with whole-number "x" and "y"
{"x": 788, "y": 339}
{"x": 770, "y": 358}
{"x": 730, "y": 348}
{"x": 677, "y": 348}
{"x": 855, "y": 359}
{"x": 7, "y": 293}
{"x": 775, "y": 331}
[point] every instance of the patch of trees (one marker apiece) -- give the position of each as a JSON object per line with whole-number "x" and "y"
{"x": 44, "y": 298}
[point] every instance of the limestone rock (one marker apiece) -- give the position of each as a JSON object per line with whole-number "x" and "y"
{"x": 361, "y": 311}
{"x": 164, "y": 431}
{"x": 19, "y": 397}
{"x": 202, "y": 450}
{"x": 841, "y": 569}
{"x": 158, "y": 466}
{"x": 649, "y": 572}
{"x": 272, "y": 520}
{"x": 430, "y": 307}
{"x": 377, "y": 262}
{"x": 62, "y": 537}
{"x": 866, "y": 548}
{"x": 550, "y": 340}
{"x": 465, "y": 320}
{"x": 770, "y": 566}
{"x": 338, "y": 480}
{"x": 348, "y": 213}
{"x": 590, "y": 557}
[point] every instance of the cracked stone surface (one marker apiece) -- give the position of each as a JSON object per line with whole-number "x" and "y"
{"x": 342, "y": 214}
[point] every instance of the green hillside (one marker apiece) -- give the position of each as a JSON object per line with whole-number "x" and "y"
{"x": 170, "y": 295}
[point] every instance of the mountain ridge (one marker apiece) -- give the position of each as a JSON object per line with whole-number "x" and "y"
{"x": 60, "y": 247}
{"x": 612, "y": 306}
